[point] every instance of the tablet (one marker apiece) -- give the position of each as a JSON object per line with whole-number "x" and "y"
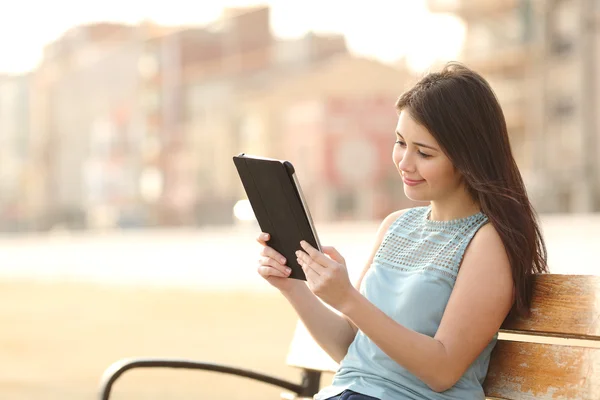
{"x": 276, "y": 198}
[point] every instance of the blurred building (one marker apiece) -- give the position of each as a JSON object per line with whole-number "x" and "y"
{"x": 198, "y": 73}
{"x": 137, "y": 124}
{"x": 568, "y": 148}
{"x": 203, "y": 177}
{"x": 86, "y": 92}
{"x": 16, "y": 177}
{"x": 541, "y": 58}
{"x": 336, "y": 125}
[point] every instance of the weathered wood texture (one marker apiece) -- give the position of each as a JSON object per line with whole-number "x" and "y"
{"x": 564, "y": 306}
{"x": 543, "y": 371}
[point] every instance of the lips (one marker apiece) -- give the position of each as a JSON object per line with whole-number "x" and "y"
{"x": 412, "y": 182}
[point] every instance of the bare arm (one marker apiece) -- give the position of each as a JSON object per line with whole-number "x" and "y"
{"x": 332, "y": 332}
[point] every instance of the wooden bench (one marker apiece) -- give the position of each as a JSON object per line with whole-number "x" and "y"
{"x": 553, "y": 354}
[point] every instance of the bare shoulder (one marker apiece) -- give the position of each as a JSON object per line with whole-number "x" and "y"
{"x": 487, "y": 252}
{"x": 487, "y": 239}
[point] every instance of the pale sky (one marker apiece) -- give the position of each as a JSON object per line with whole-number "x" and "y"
{"x": 383, "y": 29}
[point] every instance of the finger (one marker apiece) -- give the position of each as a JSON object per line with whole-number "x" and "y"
{"x": 316, "y": 254}
{"x": 263, "y": 238}
{"x": 308, "y": 260}
{"x": 266, "y": 272}
{"x": 271, "y": 263}
{"x": 272, "y": 253}
{"x": 305, "y": 260}
{"x": 334, "y": 254}
{"x": 302, "y": 257}
{"x": 311, "y": 275}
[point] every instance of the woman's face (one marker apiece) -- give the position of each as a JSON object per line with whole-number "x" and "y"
{"x": 427, "y": 173}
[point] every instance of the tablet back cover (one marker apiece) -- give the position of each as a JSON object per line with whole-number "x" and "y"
{"x": 277, "y": 206}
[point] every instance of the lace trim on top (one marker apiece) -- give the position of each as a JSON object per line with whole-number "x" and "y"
{"x": 415, "y": 243}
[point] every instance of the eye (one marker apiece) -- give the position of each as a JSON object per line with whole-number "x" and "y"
{"x": 423, "y": 155}
{"x": 400, "y": 142}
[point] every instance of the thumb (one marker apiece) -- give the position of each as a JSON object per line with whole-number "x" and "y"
{"x": 334, "y": 254}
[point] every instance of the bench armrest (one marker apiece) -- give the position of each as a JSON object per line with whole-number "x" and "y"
{"x": 308, "y": 387}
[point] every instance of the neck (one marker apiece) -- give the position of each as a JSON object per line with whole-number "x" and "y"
{"x": 454, "y": 208}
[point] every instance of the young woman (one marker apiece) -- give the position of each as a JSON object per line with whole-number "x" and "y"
{"x": 423, "y": 318}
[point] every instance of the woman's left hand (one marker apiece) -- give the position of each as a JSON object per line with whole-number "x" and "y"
{"x": 326, "y": 274}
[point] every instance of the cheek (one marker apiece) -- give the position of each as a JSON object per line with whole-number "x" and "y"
{"x": 437, "y": 172}
{"x": 397, "y": 155}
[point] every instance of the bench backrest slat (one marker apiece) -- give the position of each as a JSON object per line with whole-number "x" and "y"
{"x": 562, "y": 305}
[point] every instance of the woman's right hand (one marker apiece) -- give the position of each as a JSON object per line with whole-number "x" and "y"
{"x": 272, "y": 266}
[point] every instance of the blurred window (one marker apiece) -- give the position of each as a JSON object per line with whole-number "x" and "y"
{"x": 564, "y": 106}
{"x": 527, "y": 20}
{"x": 345, "y": 204}
{"x": 563, "y": 27}
{"x": 561, "y": 46}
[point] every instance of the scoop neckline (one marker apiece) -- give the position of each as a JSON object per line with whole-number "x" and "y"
{"x": 457, "y": 221}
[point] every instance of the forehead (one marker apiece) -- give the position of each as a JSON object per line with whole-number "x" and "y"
{"x": 411, "y": 130}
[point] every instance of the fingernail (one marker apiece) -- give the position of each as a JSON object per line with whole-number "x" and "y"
{"x": 302, "y": 243}
{"x": 288, "y": 270}
{"x": 298, "y": 253}
{"x": 265, "y": 235}
{"x": 282, "y": 260}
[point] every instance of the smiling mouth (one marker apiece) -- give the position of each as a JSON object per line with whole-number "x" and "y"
{"x": 412, "y": 182}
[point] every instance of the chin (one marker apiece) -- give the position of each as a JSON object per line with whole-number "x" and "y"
{"x": 416, "y": 195}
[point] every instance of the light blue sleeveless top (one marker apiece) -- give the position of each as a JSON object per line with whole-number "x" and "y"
{"x": 411, "y": 279}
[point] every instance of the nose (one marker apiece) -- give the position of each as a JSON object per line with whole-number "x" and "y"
{"x": 406, "y": 164}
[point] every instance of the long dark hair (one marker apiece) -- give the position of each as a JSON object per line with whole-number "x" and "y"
{"x": 459, "y": 108}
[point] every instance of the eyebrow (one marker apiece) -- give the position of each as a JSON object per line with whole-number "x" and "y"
{"x": 419, "y": 144}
